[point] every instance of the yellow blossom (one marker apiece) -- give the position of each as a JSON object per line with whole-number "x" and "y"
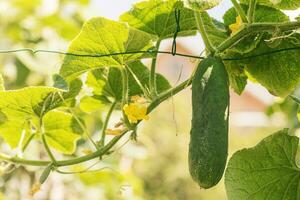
{"x": 113, "y": 131}
{"x": 35, "y": 188}
{"x": 135, "y": 112}
{"x": 236, "y": 26}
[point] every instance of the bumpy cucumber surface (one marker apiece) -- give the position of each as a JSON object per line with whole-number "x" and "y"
{"x": 209, "y": 134}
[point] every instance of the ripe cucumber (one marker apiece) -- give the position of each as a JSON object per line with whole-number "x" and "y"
{"x": 209, "y": 133}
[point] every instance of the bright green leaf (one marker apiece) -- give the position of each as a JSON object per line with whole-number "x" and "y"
{"x": 157, "y": 17}
{"x": 103, "y": 36}
{"x": 62, "y": 131}
{"x": 201, "y": 5}
{"x": 19, "y": 108}
{"x": 279, "y": 4}
{"x": 266, "y": 171}
{"x": 92, "y": 103}
{"x": 14, "y": 132}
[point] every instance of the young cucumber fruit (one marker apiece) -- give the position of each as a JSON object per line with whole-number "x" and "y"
{"x": 209, "y": 133}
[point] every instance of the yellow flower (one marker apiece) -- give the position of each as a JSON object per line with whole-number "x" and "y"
{"x": 35, "y": 188}
{"x": 236, "y": 26}
{"x": 135, "y": 112}
{"x": 113, "y": 131}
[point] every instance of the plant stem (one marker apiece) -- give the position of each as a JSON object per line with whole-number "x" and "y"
{"x": 103, "y": 134}
{"x": 42, "y": 131}
{"x": 203, "y": 33}
{"x": 124, "y": 95}
{"x": 251, "y": 10}
{"x": 152, "y": 78}
{"x": 28, "y": 142}
{"x": 240, "y": 11}
{"x": 100, "y": 152}
{"x": 256, "y": 28}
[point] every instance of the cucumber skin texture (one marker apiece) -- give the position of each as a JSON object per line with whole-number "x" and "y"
{"x": 208, "y": 148}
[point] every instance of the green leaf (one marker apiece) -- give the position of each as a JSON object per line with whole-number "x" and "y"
{"x": 92, "y": 103}
{"x": 201, "y": 5}
{"x": 278, "y": 72}
{"x": 62, "y": 131}
{"x": 102, "y": 36}
{"x": 157, "y": 17}
{"x": 279, "y": 4}
{"x": 237, "y": 76}
{"x": 2, "y": 87}
{"x": 266, "y": 171}
{"x": 14, "y": 132}
{"x": 19, "y": 108}
{"x": 110, "y": 84}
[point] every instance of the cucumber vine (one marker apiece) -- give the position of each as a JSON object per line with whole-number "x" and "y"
{"x": 109, "y": 54}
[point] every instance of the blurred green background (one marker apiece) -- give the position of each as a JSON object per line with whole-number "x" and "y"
{"x": 155, "y": 166}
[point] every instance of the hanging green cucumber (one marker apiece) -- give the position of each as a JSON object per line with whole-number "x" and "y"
{"x": 209, "y": 133}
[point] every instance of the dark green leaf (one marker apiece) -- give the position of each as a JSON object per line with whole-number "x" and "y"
{"x": 266, "y": 171}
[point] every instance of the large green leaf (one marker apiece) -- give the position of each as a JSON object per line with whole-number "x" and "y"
{"x": 280, "y": 4}
{"x": 62, "y": 131}
{"x": 201, "y": 5}
{"x": 157, "y": 18}
{"x": 278, "y": 72}
{"x": 109, "y": 83}
{"x": 266, "y": 171}
{"x": 103, "y": 36}
{"x": 19, "y": 108}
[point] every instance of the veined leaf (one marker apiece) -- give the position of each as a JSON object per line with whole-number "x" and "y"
{"x": 201, "y": 5}
{"x": 278, "y": 72}
{"x": 103, "y": 36}
{"x": 279, "y": 4}
{"x": 62, "y": 131}
{"x": 266, "y": 171}
{"x": 157, "y": 17}
{"x": 19, "y": 108}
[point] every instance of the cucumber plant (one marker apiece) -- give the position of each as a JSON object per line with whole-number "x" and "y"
{"x": 256, "y": 38}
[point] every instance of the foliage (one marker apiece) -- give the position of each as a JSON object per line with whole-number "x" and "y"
{"x": 103, "y": 70}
